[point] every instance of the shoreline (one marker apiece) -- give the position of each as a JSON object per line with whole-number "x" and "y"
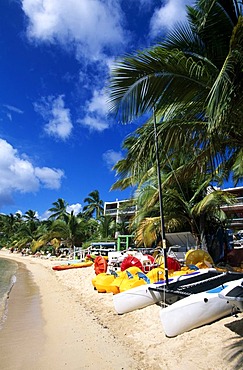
{"x": 82, "y": 329}
{"x": 72, "y": 338}
{"x": 23, "y": 327}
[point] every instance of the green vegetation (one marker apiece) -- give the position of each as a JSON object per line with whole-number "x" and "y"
{"x": 61, "y": 228}
{"x": 190, "y": 85}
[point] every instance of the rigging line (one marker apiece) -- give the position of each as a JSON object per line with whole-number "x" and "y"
{"x": 179, "y": 185}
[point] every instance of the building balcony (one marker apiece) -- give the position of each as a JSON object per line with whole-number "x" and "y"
{"x": 237, "y": 206}
{"x": 111, "y": 212}
{"x": 119, "y": 211}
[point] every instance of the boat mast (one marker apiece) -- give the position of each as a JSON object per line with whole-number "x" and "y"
{"x": 160, "y": 199}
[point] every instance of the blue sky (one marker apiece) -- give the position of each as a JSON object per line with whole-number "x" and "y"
{"x": 56, "y": 139}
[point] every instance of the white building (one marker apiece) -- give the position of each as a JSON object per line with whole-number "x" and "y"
{"x": 120, "y": 210}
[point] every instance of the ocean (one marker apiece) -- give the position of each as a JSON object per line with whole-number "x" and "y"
{"x": 8, "y": 271}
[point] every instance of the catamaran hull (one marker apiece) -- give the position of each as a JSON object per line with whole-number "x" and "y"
{"x": 195, "y": 310}
{"x": 143, "y": 296}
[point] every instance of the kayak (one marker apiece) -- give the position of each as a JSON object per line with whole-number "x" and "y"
{"x": 72, "y": 266}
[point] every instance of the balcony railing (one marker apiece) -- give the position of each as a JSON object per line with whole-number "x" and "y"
{"x": 238, "y": 202}
{"x": 111, "y": 211}
{"x": 115, "y": 211}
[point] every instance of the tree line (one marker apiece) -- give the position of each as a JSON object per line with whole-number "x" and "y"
{"x": 61, "y": 228}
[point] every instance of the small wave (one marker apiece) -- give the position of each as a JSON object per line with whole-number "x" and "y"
{"x": 12, "y": 282}
{"x": 4, "y": 302}
{"x": 3, "y": 309}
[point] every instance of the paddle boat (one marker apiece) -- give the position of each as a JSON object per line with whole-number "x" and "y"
{"x": 100, "y": 265}
{"x": 120, "y": 281}
{"x": 130, "y": 275}
{"x": 198, "y": 309}
{"x": 102, "y": 281}
{"x": 122, "y": 260}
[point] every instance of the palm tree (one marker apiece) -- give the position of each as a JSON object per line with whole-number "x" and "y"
{"x": 95, "y": 204}
{"x": 30, "y": 215}
{"x": 27, "y": 236}
{"x": 194, "y": 88}
{"x": 190, "y": 204}
{"x": 107, "y": 227}
{"x": 59, "y": 209}
{"x": 10, "y": 224}
{"x": 194, "y": 82}
{"x": 71, "y": 230}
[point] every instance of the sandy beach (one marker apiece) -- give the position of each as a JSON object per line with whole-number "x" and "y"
{"x": 78, "y": 328}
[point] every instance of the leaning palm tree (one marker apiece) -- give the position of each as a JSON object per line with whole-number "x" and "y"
{"x": 193, "y": 81}
{"x": 27, "y": 236}
{"x": 95, "y": 204}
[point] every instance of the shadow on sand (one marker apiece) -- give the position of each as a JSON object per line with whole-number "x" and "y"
{"x": 233, "y": 350}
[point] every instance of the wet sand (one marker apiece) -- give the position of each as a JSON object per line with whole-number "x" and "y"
{"x": 82, "y": 330}
{"x": 23, "y": 328}
{"x": 47, "y": 328}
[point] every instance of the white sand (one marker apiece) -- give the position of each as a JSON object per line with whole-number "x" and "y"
{"x": 83, "y": 330}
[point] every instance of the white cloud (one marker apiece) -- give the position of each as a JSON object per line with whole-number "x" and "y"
{"x": 45, "y": 215}
{"x": 96, "y": 110}
{"x": 98, "y": 103}
{"x": 13, "y": 109}
{"x": 76, "y": 208}
{"x": 93, "y": 123}
{"x": 111, "y": 157}
{"x": 17, "y": 174}
{"x": 49, "y": 177}
{"x": 9, "y": 115}
{"x": 58, "y": 117}
{"x": 168, "y": 15}
{"x": 89, "y": 26}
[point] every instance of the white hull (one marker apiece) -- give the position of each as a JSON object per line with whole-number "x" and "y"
{"x": 135, "y": 298}
{"x": 195, "y": 310}
{"x": 141, "y": 296}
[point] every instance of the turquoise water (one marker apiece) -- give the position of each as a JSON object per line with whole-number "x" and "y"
{"x": 7, "y": 279}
